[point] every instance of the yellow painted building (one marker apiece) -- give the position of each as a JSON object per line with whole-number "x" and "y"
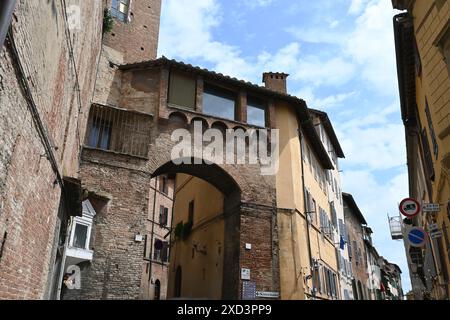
{"x": 196, "y": 263}
{"x": 308, "y": 260}
{"x": 422, "y": 34}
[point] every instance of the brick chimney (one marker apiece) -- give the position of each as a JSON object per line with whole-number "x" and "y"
{"x": 275, "y": 81}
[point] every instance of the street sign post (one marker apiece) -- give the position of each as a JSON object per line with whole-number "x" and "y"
{"x": 409, "y": 207}
{"x": 417, "y": 237}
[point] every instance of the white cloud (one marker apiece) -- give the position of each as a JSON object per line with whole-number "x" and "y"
{"x": 371, "y": 46}
{"x": 317, "y": 34}
{"x": 375, "y": 148}
{"x": 257, "y": 3}
{"x": 192, "y": 38}
{"x": 326, "y": 103}
{"x": 356, "y": 7}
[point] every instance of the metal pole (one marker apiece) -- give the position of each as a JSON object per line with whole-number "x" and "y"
{"x": 6, "y": 10}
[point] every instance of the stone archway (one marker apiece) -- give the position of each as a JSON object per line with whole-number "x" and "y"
{"x": 250, "y": 210}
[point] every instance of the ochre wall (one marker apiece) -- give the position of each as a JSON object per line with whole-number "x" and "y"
{"x": 201, "y": 272}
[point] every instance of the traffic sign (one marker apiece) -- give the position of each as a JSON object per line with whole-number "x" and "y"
{"x": 417, "y": 237}
{"x": 430, "y": 207}
{"x": 409, "y": 207}
{"x": 436, "y": 234}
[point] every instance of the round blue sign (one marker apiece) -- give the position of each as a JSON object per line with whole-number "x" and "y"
{"x": 417, "y": 237}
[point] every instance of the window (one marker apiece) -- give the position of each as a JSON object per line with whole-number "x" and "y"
{"x": 443, "y": 44}
{"x": 313, "y": 211}
{"x": 191, "y": 211}
{"x": 219, "y": 102}
{"x": 303, "y": 150}
{"x": 439, "y": 3}
{"x": 80, "y": 236}
{"x": 163, "y": 214}
{"x": 100, "y": 134}
{"x": 256, "y": 112}
{"x": 349, "y": 246}
{"x": 427, "y": 155}
{"x": 161, "y": 251}
{"x": 182, "y": 90}
{"x": 157, "y": 290}
{"x": 81, "y": 227}
{"x": 119, "y": 9}
{"x": 430, "y": 125}
{"x": 163, "y": 184}
{"x": 333, "y": 214}
{"x": 418, "y": 62}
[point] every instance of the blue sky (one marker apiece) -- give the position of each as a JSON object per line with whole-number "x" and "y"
{"x": 341, "y": 59}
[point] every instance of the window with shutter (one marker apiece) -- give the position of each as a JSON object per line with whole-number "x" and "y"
{"x": 165, "y": 252}
{"x": 427, "y": 155}
{"x": 163, "y": 214}
{"x": 182, "y": 90}
{"x": 430, "y": 125}
{"x": 349, "y": 247}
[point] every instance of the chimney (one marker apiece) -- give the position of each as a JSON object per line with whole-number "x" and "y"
{"x": 275, "y": 81}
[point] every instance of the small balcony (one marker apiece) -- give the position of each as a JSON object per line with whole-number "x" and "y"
{"x": 118, "y": 130}
{"x": 395, "y": 226}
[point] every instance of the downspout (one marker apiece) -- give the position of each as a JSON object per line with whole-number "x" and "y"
{"x": 151, "y": 239}
{"x": 6, "y": 11}
{"x": 304, "y": 204}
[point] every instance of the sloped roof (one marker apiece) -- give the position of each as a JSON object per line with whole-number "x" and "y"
{"x": 330, "y": 131}
{"x": 348, "y": 198}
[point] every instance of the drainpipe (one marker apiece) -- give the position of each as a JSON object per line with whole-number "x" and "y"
{"x": 6, "y": 11}
{"x": 151, "y": 238}
{"x": 304, "y": 203}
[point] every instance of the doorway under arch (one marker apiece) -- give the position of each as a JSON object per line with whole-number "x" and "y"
{"x": 157, "y": 295}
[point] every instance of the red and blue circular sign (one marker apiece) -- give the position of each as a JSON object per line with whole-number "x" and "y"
{"x": 409, "y": 207}
{"x": 417, "y": 237}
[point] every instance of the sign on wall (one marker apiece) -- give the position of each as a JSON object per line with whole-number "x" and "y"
{"x": 430, "y": 207}
{"x": 245, "y": 274}
{"x": 417, "y": 237}
{"x": 248, "y": 290}
{"x": 409, "y": 207}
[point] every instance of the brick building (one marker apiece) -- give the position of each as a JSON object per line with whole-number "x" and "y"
{"x": 356, "y": 247}
{"x": 46, "y": 86}
{"x": 155, "y": 274}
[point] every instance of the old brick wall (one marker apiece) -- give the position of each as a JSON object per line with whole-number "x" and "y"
{"x": 115, "y": 272}
{"x": 29, "y": 199}
{"x": 137, "y": 39}
{"x": 355, "y": 232}
{"x": 125, "y": 181}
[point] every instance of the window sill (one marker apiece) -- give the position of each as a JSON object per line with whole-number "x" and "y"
{"x": 115, "y": 152}
{"x": 79, "y": 254}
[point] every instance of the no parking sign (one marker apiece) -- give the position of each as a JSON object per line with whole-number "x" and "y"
{"x": 417, "y": 237}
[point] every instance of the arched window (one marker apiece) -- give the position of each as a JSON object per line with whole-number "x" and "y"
{"x": 157, "y": 290}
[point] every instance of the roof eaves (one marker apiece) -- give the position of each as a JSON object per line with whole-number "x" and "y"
{"x": 330, "y": 131}
{"x": 351, "y": 201}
